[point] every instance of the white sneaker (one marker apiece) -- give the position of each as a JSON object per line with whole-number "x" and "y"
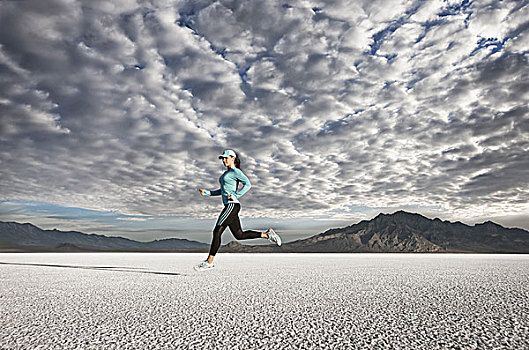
{"x": 204, "y": 265}
{"x": 273, "y": 236}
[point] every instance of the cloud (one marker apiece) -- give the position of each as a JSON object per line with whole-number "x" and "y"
{"x": 125, "y": 105}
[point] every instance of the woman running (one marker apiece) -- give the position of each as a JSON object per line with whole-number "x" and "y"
{"x": 229, "y": 216}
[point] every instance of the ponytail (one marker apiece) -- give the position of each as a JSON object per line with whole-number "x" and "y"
{"x": 237, "y": 162}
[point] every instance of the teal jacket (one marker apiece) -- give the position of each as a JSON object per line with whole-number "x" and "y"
{"x": 228, "y": 185}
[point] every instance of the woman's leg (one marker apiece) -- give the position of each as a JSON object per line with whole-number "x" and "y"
{"x": 220, "y": 226}
{"x": 235, "y": 227}
{"x": 215, "y": 242}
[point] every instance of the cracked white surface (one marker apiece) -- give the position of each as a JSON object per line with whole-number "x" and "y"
{"x": 268, "y": 301}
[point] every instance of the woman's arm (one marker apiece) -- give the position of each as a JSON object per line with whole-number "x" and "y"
{"x": 209, "y": 193}
{"x": 245, "y": 181}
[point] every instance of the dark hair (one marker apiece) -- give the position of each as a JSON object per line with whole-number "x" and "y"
{"x": 237, "y": 162}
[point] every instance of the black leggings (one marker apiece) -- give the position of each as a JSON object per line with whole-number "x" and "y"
{"x": 229, "y": 217}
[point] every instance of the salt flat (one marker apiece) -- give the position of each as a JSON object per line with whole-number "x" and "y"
{"x": 264, "y": 301}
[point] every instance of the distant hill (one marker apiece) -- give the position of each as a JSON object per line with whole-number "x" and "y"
{"x": 397, "y": 232}
{"x": 405, "y": 232}
{"x": 15, "y": 237}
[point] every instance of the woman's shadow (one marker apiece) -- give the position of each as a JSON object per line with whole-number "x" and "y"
{"x": 104, "y": 268}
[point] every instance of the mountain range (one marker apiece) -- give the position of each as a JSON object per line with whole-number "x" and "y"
{"x": 398, "y": 232}
{"x": 15, "y": 237}
{"x": 406, "y": 232}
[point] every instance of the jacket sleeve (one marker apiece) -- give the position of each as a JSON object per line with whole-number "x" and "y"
{"x": 213, "y": 193}
{"x": 246, "y": 184}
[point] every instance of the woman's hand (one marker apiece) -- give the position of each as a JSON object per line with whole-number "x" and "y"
{"x": 230, "y": 197}
{"x": 202, "y": 191}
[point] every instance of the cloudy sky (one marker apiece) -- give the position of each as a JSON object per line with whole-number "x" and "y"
{"x": 113, "y": 113}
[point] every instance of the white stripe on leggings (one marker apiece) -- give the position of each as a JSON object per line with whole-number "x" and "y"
{"x": 227, "y": 213}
